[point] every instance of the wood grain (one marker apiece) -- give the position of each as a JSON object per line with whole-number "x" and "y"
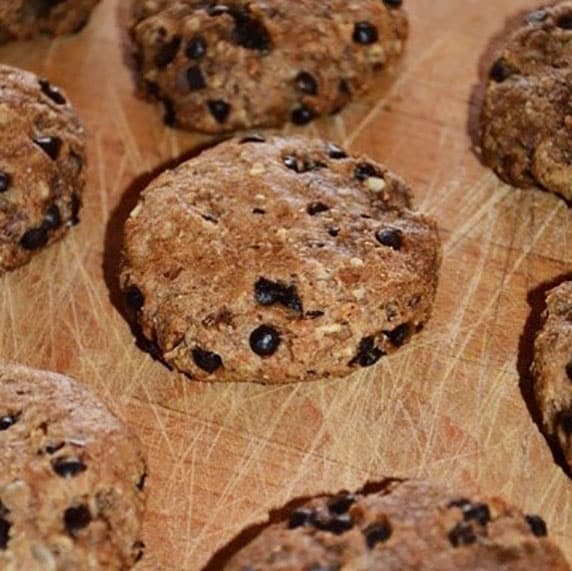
{"x": 448, "y": 407}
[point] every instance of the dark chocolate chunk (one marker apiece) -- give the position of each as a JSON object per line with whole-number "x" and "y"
{"x": 8, "y": 420}
{"x": 390, "y": 237}
{"x": 307, "y": 83}
{"x": 500, "y": 71}
{"x": 565, "y": 419}
{"x": 5, "y": 526}
{"x": 53, "y": 218}
{"x": 300, "y": 517}
{"x": 264, "y": 340}
{"x": 399, "y": 335}
{"x": 53, "y": 448}
{"x": 477, "y": 512}
{"x": 462, "y": 534}
{"x": 341, "y": 504}
{"x": 365, "y": 33}
{"x": 52, "y": 92}
{"x": 314, "y": 314}
{"x": 335, "y": 152}
{"x": 302, "y": 115}
{"x": 250, "y": 33}
{"x": 50, "y": 145}
{"x": 367, "y": 354}
{"x": 565, "y": 22}
{"x": 258, "y": 211}
{"x": 219, "y": 109}
{"x": 206, "y": 360}
{"x": 195, "y": 78}
{"x": 375, "y": 533}
{"x": 141, "y": 482}
{"x": 269, "y": 292}
{"x": 77, "y": 518}
{"x": 363, "y": 171}
{"x": 537, "y": 525}
{"x": 139, "y": 546}
{"x": 393, "y": 3}
{"x": 5, "y": 181}
{"x": 336, "y": 524}
{"x": 196, "y": 48}
{"x": 167, "y": 52}
{"x": 317, "y": 208}
{"x": 333, "y": 231}
{"x": 68, "y": 467}
{"x": 134, "y": 297}
{"x": 34, "y": 239}
{"x": 75, "y": 205}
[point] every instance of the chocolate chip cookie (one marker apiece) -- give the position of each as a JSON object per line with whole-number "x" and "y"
{"x": 72, "y": 480}
{"x": 552, "y": 368}
{"x": 42, "y": 161}
{"x": 277, "y": 260}
{"x": 222, "y": 66}
{"x": 25, "y": 19}
{"x": 526, "y": 121}
{"x": 401, "y": 526}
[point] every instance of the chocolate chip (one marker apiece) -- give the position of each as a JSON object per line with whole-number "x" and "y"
{"x": 53, "y": 448}
{"x": 302, "y": 115}
{"x": 52, "y": 92}
{"x": 341, "y": 504}
{"x": 536, "y": 17}
{"x": 336, "y": 524}
{"x": 141, "y": 482}
{"x": 53, "y": 218}
{"x": 365, "y": 33}
{"x": 5, "y": 181}
{"x": 393, "y": 3}
{"x": 316, "y": 208}
{"x": 462, "y": 534}
{"x": 68, "y": 467}
{"x": 34, "y": 239}
{"x": 167, "y": 52}
{"x": 333, "y": 231}
{"x": 5, "y": 526}
{"x": 8, "y": 421}
{"x": 378, "y": 532}
{"x": 206, "y": 360}
{"x": 390, "y": 237}
{"x": 258, "y": 211}
{"x": 335, "y": 152}
{"x": 195, "y": 78}
{"x": 196, "y": 48}
{"x": 219, "y": 109}
{"x": 307, "y": 83}
{"x": 250, "y": 33}
{"x": 300, "y": 517}
{"x": 264, "y": 340}
{"x": 50, "y": 145}
{"x": 139, "y": 546}
{"x": 77, "y": 518}
{"x": 253, "y": 139}
{"x": 75, "y": 205}
{"x": 367, "y": 354}
{"x": 268, "y": 292}
{"x": 500, "y": 71}
{"x": 134, "y": 297}
{"x": 169, "y": 115}
{"x": 565, "y": 22}
{"x": 537, "y": 525}
{"x": 477, "y": 512}
{"x": 363, "y": 171}
{"x": 399, "y": 335}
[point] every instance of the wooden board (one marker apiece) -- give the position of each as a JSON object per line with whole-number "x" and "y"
{"x": 449, "y": 407}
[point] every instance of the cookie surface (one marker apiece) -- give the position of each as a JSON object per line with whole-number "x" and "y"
{"x": 552, "y": 368}
{"x": 222, "y": 66}
{"x": 527, "y": 112}
{"x": 402, "y": 526}
{"x": 277, "y": 260}
{"x": 72, "y": 478}
{"x": 42, "y": 163}
{"x": 25, "y": 19}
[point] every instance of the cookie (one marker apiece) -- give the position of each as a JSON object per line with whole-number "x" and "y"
{"x": 72, "y": 480}
{"x": 42, "y": 161}
{"x": 552, "y": 368}
{"x": 401, "y": 526}
{"x": 278, "y": 260}
{"x": 25, "y": 19}
{"x": 222, "y": 66}
{"x": 527, "y": 112}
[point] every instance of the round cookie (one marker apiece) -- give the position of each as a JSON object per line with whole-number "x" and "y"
{"x": 42, "y": 160}
{"x": 222, "y": 66}
{"x": 72, "y": 479}
{"x": 552, "y": 368}
{"x": 278, "y": 260}
{"x": 25, "y": 19}
{"x": 401, "y": 526}
{"x": 527, "y": 112}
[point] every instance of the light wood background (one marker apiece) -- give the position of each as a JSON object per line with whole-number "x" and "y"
{"x": 449, "y": 406}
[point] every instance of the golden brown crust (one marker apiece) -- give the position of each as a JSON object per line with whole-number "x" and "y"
{"x": 406, "y": 526}
{"x": 324, "y": 251}
{"x": 222, "y": 66}
{"x": 71, "y": 484}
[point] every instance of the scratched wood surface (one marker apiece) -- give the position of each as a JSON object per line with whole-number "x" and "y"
{"x": 451, "y": 406}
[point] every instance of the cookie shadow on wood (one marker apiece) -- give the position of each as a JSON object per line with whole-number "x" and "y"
{"x": 537, "y": 301}
{"x": 113, "y": 244}
{"x": 485, "y": 63}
